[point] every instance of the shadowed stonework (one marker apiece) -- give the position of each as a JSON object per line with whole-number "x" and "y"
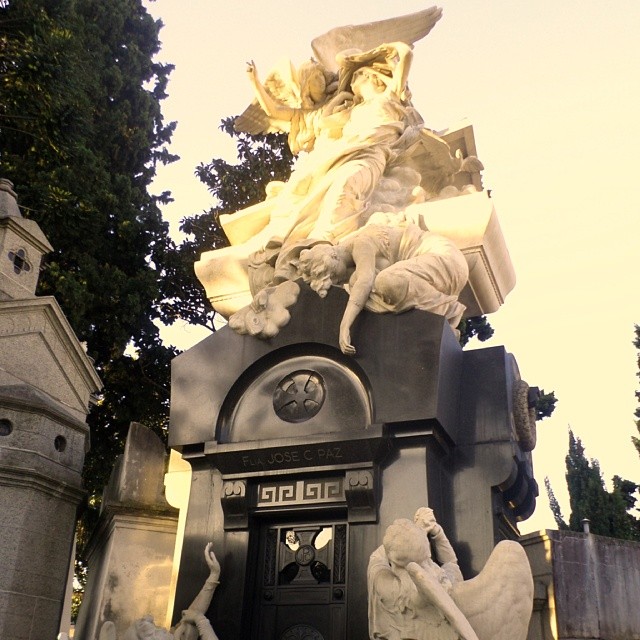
{"x": 429, "y": 425}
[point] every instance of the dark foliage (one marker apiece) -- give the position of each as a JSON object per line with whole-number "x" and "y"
{"x": 607, "y": 511}
{"x": 81, "y": 134}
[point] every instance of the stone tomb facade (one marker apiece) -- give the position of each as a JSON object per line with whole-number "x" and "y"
{"x": 303, "y": 456}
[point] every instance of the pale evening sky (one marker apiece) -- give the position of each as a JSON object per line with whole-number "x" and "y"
{"x": 553, "y": 92}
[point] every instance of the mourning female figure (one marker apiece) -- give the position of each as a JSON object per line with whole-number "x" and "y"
{"x": 389, "y": 269}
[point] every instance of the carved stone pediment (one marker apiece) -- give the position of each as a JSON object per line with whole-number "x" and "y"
{"x": 39, "y": 348}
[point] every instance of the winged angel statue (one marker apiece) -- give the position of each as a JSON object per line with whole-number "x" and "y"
{"x": 363, "y": 148}
{"x": 415, "y": 595}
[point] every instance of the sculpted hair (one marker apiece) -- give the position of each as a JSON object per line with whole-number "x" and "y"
{"x": 317, "y": 265}
{"x": 406, "y": 542}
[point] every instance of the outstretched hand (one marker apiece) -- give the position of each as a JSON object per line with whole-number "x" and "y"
{"x": 252, "y": 71}
{"x": 345, "y": 342}
{"x": 212, "y": 561}
{"x": 426, "y": 520}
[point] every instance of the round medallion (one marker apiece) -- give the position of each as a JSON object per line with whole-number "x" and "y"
{"x": 305, "y": 555}
{"x": 299, "y": 396}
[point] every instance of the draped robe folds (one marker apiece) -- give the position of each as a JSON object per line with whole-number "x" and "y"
{"x": 330, "y": 187}
{"x": 431, "y": 266}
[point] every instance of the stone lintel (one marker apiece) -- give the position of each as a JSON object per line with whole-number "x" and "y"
{"x": 310, "y": 454}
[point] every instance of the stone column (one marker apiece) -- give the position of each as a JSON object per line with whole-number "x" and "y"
{"x": 130, "y": 556}
{"x": 46, "y": 384}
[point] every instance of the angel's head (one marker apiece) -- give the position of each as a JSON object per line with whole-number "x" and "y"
{"x": 367, "y": 82}
{"x": 321, "y": 266}
{"x": 405, "y": 542}
{"x": 313, "y": 84}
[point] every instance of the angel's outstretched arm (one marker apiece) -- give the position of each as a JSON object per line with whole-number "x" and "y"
{"x": 202, "y": 624}
{"x": 364, "y": 258}
{"x": 433, "y": 592}
{"x": 271, "y": 107}
{"x": 203, "y": 599}
{"x": 404, "y": 57}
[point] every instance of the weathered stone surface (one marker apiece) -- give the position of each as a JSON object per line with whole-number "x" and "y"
{"x": 41, "y": 459}
{"x": 130, "y": 555}
{"x": 137, "y": 479}
{"x": 586, "y": 586}
{"x": 36, "y": 529}
{"x": 46, "y": 382}
{"x": 38, "y": 347}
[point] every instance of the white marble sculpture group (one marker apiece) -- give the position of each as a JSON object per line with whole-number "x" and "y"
{"x": 351, "y": 215}
{"x": 347, "y": 216}
{"x": 413, "y": 592}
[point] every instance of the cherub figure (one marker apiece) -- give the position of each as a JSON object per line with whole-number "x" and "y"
{"x": 289, "y": 100}
{"x": 267, "y": 313}
{"x": 388, "y": 269}
{"x": 193, "y": 625}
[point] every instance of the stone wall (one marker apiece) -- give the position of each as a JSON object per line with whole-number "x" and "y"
{"x": 586, "y": 586}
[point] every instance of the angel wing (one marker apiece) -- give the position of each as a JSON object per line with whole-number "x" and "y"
{"x": 409, "y": 28}
{"x": 282, "y": 85}
{"x": 432, "y": 591}
{"x": 498, "y": 602}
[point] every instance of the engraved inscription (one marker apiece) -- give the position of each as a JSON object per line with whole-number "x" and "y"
{"x": 304, "y": 457}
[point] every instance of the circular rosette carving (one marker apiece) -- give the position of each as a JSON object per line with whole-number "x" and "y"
{"x": 524, "y": 415}
{"x": 299, "y": 396}
{"x": 301, "y": 632}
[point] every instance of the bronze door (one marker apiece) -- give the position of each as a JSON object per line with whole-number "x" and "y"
{"x": 301, "y": 590}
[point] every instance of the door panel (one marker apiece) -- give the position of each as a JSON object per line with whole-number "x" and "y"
{"x": 301, "y": 590}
